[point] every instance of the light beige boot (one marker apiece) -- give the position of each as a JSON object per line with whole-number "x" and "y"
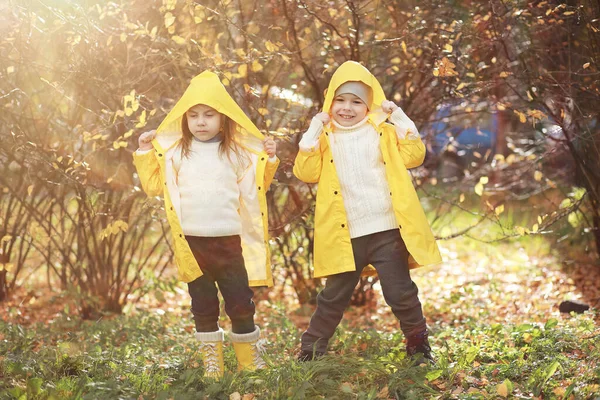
{"x": 248, "y": 350}
{"x": 211, "y": 347}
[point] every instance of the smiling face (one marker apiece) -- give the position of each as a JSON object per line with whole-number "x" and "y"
{"x": 348, "y": 109}
{"x": 203, "y": 121}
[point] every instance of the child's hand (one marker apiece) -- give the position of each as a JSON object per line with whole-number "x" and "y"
{"x": 388, "y": 106}
{"x": 270, "y": 147}
{"x": 145, "y": 140}
{"x": 323, "y": 117}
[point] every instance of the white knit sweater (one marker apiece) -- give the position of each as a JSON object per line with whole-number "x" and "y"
{"x": 361, "y": 172}
{"x": 209, "y": 191}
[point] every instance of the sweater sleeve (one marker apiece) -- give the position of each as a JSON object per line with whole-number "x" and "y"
{"x": 405, "y": 127}
{"x": 310, "y": 139}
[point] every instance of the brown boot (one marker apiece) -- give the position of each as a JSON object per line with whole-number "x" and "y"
{"x": 417, "y": 347}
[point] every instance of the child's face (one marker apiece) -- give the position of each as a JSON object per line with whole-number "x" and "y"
{"x": 204, "y": 121}
{"x": 348, "y": 109}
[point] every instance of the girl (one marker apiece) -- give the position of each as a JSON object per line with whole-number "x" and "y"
{"x": 213, "y": 167}
{"x": 367, "y": 211}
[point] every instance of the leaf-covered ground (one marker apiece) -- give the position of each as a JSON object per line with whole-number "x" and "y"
{"x": 493, "y": 312}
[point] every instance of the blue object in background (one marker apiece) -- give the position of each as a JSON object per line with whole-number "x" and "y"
{"x": 464, "y": 140}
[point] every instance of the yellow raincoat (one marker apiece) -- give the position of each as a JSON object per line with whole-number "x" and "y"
{"x": 157, "y": 176}
{"x": 333, "y": 248}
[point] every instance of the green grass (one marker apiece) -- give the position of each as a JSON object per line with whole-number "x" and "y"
{"x": 151, "y": 356}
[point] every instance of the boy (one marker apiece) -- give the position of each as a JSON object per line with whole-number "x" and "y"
{"x": 367, "y": 210}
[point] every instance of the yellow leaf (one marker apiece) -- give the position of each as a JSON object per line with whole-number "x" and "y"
{"x": 520, "y": 230}
{"x": 128, "y": 111}
{"x": 448, "y": 48}
{"x": 122, "y": 225}
{"x": 484, "y": 180}
{"x": 142, "y": 122}
{"x": 123, "y": 37}
{"x": 396, "y": 60}
{"x": 436, "y": 72}
{"x": 178, "y": 39}
{"x": 584, "y": 65}
{"x": 271, "y": 46}
{"x": 256, "y": 66}
{"x": 263, "y": 111}
{"x": 446, "y": 67}
{"x": 499, "y": 210}
{"x": 529, "y": 96}
{"x": 128, "y": 134}
{"x": 243, "y": 70}
{"x": 569, "y": 13}
{"x": 479, "y": 189}
{"x": 535, "y": 228}
{"x": 6, "y": 239}
{"x": 461, "y": 198}
{"x": 404, "y": 47}
{"x": 11, "y": 69}
{"x": 537, "y": 175}
{"x": 522, "y": 116}
{"x": 460, "y": 86}
{"x": 170, "y": 4}
{"x": 29, "y": 190}
{"x": 169, "y": 19}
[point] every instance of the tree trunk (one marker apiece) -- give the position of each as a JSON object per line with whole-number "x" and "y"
{"x": 3, "y": 280}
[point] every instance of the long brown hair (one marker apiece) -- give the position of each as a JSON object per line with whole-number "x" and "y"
{"x": 227, "y": 147}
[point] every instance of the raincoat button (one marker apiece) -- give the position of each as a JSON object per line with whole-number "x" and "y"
{"x": 171, "y": 208}
{"x": 160, "y": 154}
{"x": 381, "y": 134}
{"x": 332, "y": 160}
{"x": 335, "y": 192}
{"x": 384, "y": 163}
{"x": 326, "y": 133}
{"x": 390, "y": 193}
{"x": 343, "y": 225}
{"x": 180, "y": 235}
{"x": 259, "y": 188}
{"x": 262, "y": 159}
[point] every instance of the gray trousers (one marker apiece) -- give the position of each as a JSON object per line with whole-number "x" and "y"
{"x": 387, "y": 252}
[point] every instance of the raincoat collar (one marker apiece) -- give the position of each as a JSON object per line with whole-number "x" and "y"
{"x": 353, "y": 71}
{"x": 206, "y": 88}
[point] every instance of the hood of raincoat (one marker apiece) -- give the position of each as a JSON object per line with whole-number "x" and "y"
{"x": 353, "y": 71}
{"x": 206, "y": 88}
